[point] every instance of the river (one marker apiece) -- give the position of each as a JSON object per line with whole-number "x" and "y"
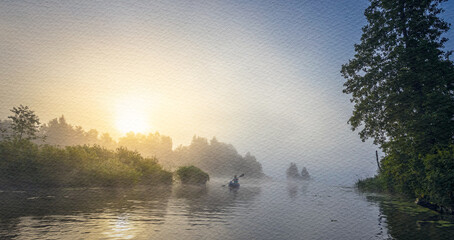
{"x": 269, "y": 210}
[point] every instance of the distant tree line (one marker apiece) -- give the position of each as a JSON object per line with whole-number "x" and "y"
{"x": 213, "y": 157}
{"x": 217, "y": 158}
{"x": 24, "y": 163}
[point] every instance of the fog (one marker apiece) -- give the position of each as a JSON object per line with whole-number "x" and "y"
{"x": 264, "y": 77}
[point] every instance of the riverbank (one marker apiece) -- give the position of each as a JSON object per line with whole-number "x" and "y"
{"x": 376, "y": 185}
{"x": 435, "y": 207}
{"x": 26, "y": 165}
{"x": 428, "y": 176}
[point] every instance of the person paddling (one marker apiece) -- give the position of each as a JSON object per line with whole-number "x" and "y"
{"x": 234, "y": 183}
{"x": 235, "y": 180}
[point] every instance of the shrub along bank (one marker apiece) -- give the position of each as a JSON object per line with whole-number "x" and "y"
{"x": 192, "y": 175}
{"x": 26, "y": 164}
{"x": 429, "y": 177}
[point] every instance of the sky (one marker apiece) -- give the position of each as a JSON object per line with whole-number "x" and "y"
{"x": 261, "y": 75}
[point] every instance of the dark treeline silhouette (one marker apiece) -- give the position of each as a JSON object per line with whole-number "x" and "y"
{"x": 214, "y": 157}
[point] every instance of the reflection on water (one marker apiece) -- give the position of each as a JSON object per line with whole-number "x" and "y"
{"x": 103, "y": 213}
{"x": 406, "y": 220}
{"x": 81, "y": 213}
{"x": 294, "y": 187}
{"x": 271, "y": 210}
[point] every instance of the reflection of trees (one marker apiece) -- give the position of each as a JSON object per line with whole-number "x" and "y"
{"x": 79, "y": 202}
{"x": 406, "y": 220}
{"x": 212, "y": 201}
{"x": 293, "y": 173}
{"x": 293, "y": 187}
{"x": 304, "y": 187}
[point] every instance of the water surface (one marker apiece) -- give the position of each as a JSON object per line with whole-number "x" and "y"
{"x": 272, "y": 210}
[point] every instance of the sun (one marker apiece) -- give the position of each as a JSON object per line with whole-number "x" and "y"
{"x": 132, "y": 116}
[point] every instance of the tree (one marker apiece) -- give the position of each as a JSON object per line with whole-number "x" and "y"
{"x": 5, "y": 129}
{"x": 107, "y": 141}
{"x": 305, "y": 174}
{"x": 401, "y": 81}
{"x": 25, "y": 124}
{"x": 292, "y": 171}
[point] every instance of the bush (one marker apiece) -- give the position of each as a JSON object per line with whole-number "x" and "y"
{"x": 429, "y": 176}
{"x": 25, "y": 164}
{"x": 192, "y": 175}
{"x": 373, "y": 184}
{"x": 439, "y": 178}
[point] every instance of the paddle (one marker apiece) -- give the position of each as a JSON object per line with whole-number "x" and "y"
{"x": 242, "y": 175}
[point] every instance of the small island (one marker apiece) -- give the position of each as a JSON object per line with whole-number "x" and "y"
{"x": 293, "y": 173}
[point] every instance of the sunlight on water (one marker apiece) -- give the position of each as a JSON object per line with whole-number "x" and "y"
{"x": 272, "y": 210}
{"x": 121, "y": 228}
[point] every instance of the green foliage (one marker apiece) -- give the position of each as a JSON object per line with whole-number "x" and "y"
{"x": 26, "y": 164}
{"x": 373, "y": 184}
{"x": 25, "y": 124}
{"x": 214, "y": 157}
{"x": 401, "y": 81}
{"x": 428, "y": 176}
{"x": 438, "y": 184}
{"x": 192, "y": 175}
{"x": 402, "y": 87}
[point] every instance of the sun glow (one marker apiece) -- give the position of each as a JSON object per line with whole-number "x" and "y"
{"x": 132, "y": 116}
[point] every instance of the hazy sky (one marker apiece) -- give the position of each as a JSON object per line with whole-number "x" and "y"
{"x": 264, "y": 75}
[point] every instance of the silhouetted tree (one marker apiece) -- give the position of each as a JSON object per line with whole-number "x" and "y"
{"x": 402, "y": 83}
{"x": 59, "y": 132}
{"x": 402, "y": 86}
{"x": 292, "y": 171}
{"x": 305, "y": 174}
{"x": 24, "y": 123}
{"x": 5, "y": 129}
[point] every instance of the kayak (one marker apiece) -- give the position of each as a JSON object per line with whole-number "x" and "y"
{"x": 233, "y": 185}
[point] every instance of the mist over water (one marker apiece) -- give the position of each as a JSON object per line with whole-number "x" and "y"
{"x": 257, "y": 84}
{"x": 258, "y": 210}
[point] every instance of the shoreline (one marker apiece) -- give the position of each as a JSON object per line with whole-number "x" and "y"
{"x": 435, "y": 207}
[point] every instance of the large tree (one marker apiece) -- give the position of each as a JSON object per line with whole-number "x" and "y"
{"x": 400, "y": 79}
